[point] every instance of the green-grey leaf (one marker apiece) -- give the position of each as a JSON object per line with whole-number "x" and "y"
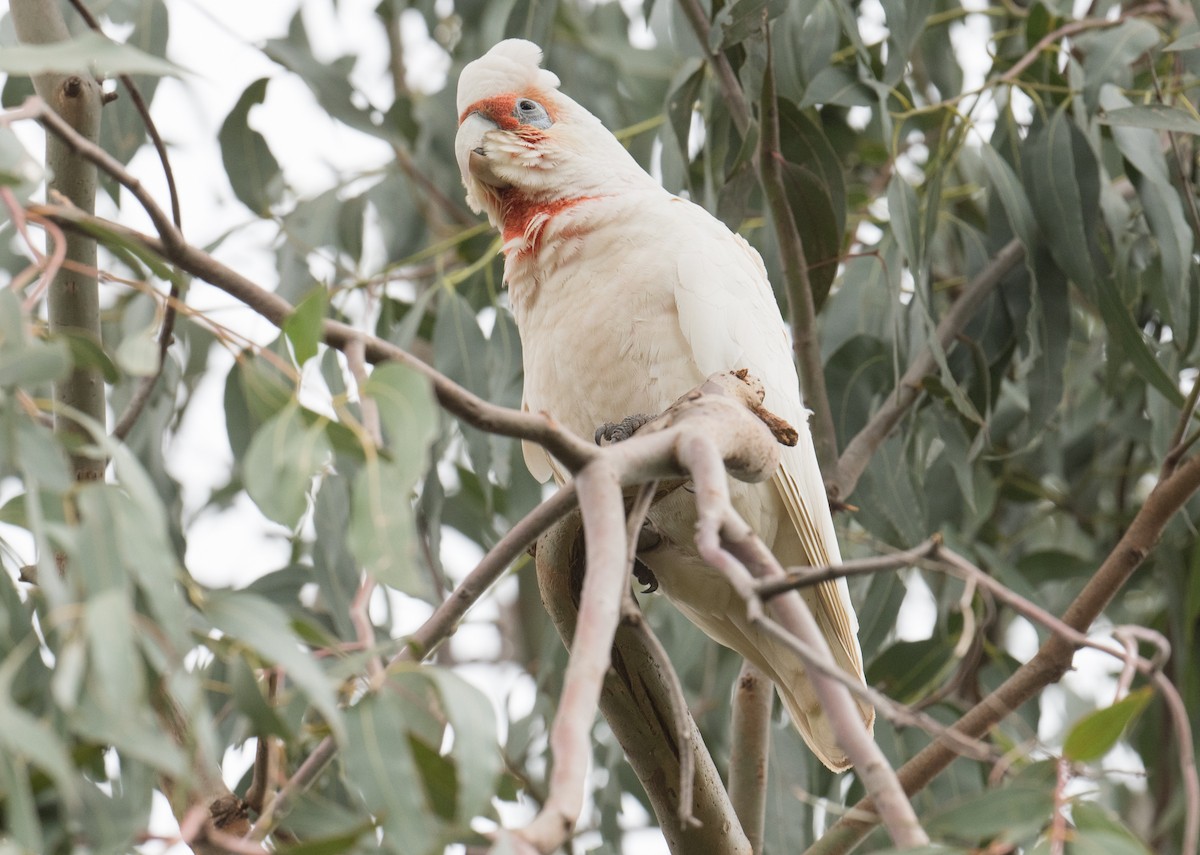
{"x": 137, "y": 354}
{"x": 280, "y": 463}
{"x": 475, "y": 753}
{"x": 407, "y": 410}
{"x": 22, "y": 735}
{"x": 1014, "y": 812}
{"x": 379, "y": 763}
{"x": 303, "y": 327}
{"x": 253, "y": 171}
{"x": 1066, "y": 207}
{"x": 262, "y": 626}
{"x": 87, "y": 353}
{"x": 1007, "y": 187}
{"x": 90, "y": 53}
{"x": 383, "y": 532}
{"x": 1111, "y": 53}
{"x": 905, "y": 214}
{"x": 1188, "y": 42}
{"x": 836, "y": 85}
{"x": 1129, "y": 338}
{"x": 1160, "y": 117}
{"x": 1096, "y": 733}
{"x": 18, "y": 169}
{"x": 34, "y": 363}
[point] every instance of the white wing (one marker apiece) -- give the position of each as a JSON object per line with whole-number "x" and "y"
{"x": 729, "y": 316}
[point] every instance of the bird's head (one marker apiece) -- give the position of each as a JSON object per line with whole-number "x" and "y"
{"x": 519, "y": 138}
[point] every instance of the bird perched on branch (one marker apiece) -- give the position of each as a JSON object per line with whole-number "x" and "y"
{"x": 627, "y": 296}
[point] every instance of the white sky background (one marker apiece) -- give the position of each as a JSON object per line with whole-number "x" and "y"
{"x": 216, "y": 40}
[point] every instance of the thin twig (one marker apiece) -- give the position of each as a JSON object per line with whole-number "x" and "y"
{"x": 572, "y": 451}
{"x": 1053, "y": 659}
{"x": 801, "y": 302}
{"x": 260, "y": 782}
{"x": 1180, "y": 441}
{"x": 1069, "y": 29}
{"x": 731, "y": 90}
{"x": 859, "y": 451}
{"x": 795, "y": 578}
{"x": 425, "y": 640}
{"x": 48, "y": 266}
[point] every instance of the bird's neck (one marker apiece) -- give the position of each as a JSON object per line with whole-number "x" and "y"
{"x": 524, "y": 217}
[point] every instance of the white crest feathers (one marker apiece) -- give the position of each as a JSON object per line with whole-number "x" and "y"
{"x": 513, "y": 65}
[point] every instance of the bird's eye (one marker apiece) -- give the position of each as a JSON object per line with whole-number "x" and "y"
{"x": 530, "y": 112}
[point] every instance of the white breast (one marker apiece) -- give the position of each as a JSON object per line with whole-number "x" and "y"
{"x": 595, "y": 306}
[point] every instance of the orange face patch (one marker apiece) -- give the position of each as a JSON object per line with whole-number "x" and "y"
{"x": 500, "y": 109}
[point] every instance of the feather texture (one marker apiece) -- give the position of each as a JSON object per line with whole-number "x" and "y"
{"x": 626, "y": 297}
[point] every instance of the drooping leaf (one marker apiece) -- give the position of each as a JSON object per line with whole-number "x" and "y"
{"x": 137, "y": 354}
{"x": 1159, "y": 117}
{"x": 1064, "y": 194}
{"x": 380, "y": 765}
{"x": 1111, "y": 53}
{"x": 303, "y": 328}
{"x": 1131, "y": 341}
{"x": 474, "y": 753}
{"x": 1007, "y": 186}
{"x": 253, "y": 171}
{"x": 407, "y": 410}
{"x": 263, "y": 627}
{"x": 837, "y": 85}
{"x": 25, "y": 736}
{"x": 18, "y": 170}
{"x": 1013, "y": 813}
{"x": 90, "y": 53}
{"x": 281, "y": 461}
{"x": 382, "y": 533}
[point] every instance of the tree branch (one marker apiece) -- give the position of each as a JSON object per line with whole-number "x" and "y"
{"x": 72, "y": 102}
{"x": 572, "y": 451}
{"x": 725, "y": 541}
{"x": 599, "y": 490}
{"x": 141, "y": 393}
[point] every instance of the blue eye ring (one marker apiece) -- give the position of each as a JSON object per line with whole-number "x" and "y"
{"x": 530, "y": 112}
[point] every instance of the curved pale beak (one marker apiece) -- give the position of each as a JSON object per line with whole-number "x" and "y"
{"x": 471, "y": 153}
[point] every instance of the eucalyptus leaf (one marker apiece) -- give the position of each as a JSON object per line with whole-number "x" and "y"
{"x": 90, "y": 53}
{"x": 379, "y": 759}
{"x": 1095, "y": 734}
{"x": 263, "y": 627}
{"x": 284, "y": 456}
{"x": 304, "y": 326}
{"x": 253, "y": 171}
{"x": 1159, "y": 117}
{"x": 837, "y": 85}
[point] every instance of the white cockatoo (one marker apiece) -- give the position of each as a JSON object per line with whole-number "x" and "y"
{"x": 627, "y": 296}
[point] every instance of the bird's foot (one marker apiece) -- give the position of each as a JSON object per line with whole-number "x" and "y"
{"x": 645, "y": 576}
{"x": 610, "y": 433}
